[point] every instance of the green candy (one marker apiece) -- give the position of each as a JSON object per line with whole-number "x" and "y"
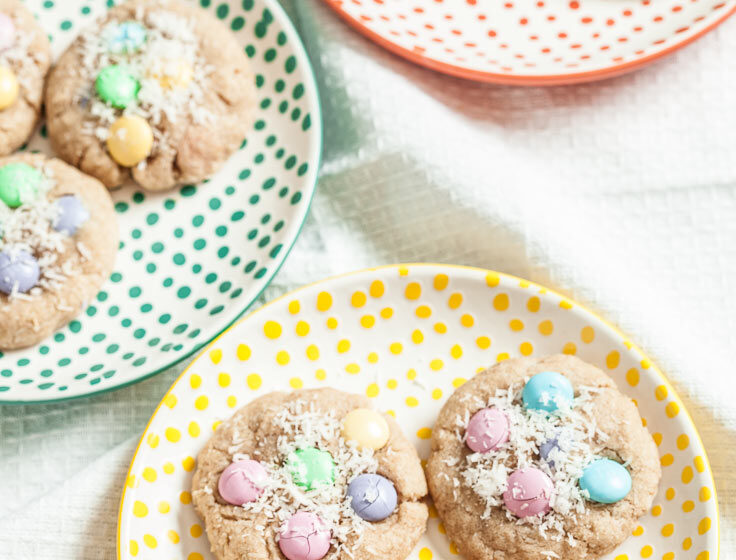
{"x": 117, "y": 86}
{"x": 311, "y": 468}
{"x": 19, "y": 183}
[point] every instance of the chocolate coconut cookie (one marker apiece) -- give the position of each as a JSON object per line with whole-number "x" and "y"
{"x": 539, "y": 459}
{"x": 58, "y": 240}
{"x": 308, "y": 475}
{"x": 24, "y": 60}
{"x": 158, "y": 91}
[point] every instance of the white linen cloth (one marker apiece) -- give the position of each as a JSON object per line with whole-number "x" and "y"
{"x": 620, "y": 194}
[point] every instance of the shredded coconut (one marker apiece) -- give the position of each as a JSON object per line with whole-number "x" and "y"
{"x": 303, "y": 426}
{"x": 30, "y": 228}
{"x": 170, "y": 42}
{"x": 21, "y": 58}
{"x": 579, "y": 441}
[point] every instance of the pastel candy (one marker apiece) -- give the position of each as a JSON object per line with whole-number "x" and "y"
{"x": 18, "y": 269}
{"x": 529, "y": 492}
{"x": 7, "y": 32}
{"x": 127, "y": 37}
{"x": 547, "y": 391}
{"x": 130, "y": 140}
{"x": 547, "y": 448}
{"x": 116, "y": 86}
{"x": 305, "y": 537}
{"x": 9, "y": 87}
{"x": 606, "y": 481}
{"x": 72, "y": 214}
{"x": 19, "y": 183}
{"x": 175, "y": 73}
{"x": 311, "y": 467}
{"x": 488, "y": 429}
{"x": 242, "y": 482}
{"x": 373, "y": 496}
{"x": 365, "y": 427}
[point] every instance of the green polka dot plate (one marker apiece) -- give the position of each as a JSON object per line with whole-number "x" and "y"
{"x": 406, "y": 337}
{"x": 193, "y": 259}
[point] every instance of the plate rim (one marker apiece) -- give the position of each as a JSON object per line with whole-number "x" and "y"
{"x": 398, "y": 267}
{"x": 515, "y": 79}
{"x": 301, "y": 52}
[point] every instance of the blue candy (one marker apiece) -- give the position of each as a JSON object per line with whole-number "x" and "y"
{"x": 127, "y": 37}
{"x": 72, "y": 214}
{"x": 547, "y": 391}
{"x": 373, "y": 496}
{"x": 606, "y": 481}
{"x": 18, "y": 269}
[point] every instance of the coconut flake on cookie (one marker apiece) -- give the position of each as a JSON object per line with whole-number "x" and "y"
{"x": 29, "y": 228}
{"x": 302, "y": 427}
{"x": 578, "y": 442}
{"x": 168, "y": 67}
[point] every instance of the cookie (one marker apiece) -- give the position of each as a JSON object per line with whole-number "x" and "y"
{"x": 538, "y": 459}
{"x": 158, "y": 91}
{"x": 307, "y": 475}
{"x": 25, "y": 57}
{"x": 58, "y": 240}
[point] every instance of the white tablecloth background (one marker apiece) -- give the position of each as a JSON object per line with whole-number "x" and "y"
{"x": 621, "y": 194}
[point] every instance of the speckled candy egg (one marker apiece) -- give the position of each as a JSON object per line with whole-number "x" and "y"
{"x": 488, "y": 429}
{"x": 311, "y": 467}
{"x": 305, "y": 536}
{"x": 373, "y": 496}
{"x": 547, "y": 391}
{"x": 366, "y": 427}
{"x": 606, "y": 481}
{"x": 18, "y": 269}
{"x": 19, "y": 183}
{"x": 117, "y": 87}
{"x": 7, "y": 32}
{"x": 126, "y": 37}
{"x": 528, "y": 493}
{"x": 242, "y": 482}
{"x": 72, "y": 214}
{"x": 130, "y": 140}
{"x": 9, "y": 87}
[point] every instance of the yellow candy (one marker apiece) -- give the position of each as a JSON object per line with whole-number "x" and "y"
{"x": 8, "y": 87}
{"x": 365, "y": 427}
{"x": 172, "y": 74}
{"x": 130, "y": 140}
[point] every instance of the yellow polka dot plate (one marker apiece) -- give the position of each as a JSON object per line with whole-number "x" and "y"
{"x": 406, "y": 336}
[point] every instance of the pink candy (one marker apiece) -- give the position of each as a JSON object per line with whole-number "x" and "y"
{"x": 488, "y": 429}
{"x": 529, "y": 492}
{"x": 242, "y": 482}
{"x": 305, "y": 537}
{"x": 7, "y": 32}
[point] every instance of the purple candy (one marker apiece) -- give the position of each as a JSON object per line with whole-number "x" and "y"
{"x": 547, "y": 447}
{"x": 72, "y": 214}
{"x": 18, "y": 269}
{"x": 373, "y": 496}
{"x": 7, "y": 32}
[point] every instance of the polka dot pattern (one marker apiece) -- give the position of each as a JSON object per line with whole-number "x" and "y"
{"x": 532, "y": 41}
{"x": 409, "y": 377}
{"x": 192, "y": 259}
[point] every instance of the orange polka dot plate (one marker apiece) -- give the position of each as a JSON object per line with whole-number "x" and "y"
{"x": 406, "y": 336}
{"x": 533, "y": 42}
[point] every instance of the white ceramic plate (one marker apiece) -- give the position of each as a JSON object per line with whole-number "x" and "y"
{"x": 406, "y": 336}
{"x": 193, "y": 259}
{"x": 533, "y": 42}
